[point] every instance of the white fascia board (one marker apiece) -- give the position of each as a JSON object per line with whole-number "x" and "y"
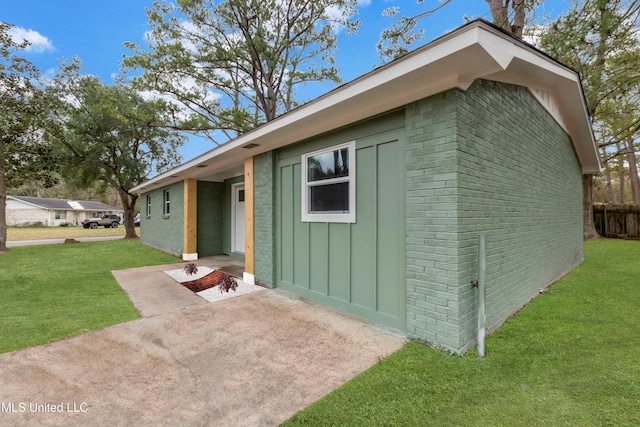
{"x": 383, "y": 89}
{"x": 474, "y": 51}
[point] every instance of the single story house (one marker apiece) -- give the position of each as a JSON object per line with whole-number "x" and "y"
{"x": 371, "y": 198}
{"x": 53, "y": 212}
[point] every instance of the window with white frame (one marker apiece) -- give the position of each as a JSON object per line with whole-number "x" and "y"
{"x": 61, "y": 214}
{"x": 166, "y": 207}
{"x": 329, "y": 184}
{"x": 148, "y": 205}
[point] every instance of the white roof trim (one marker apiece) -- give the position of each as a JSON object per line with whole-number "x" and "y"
{"x": 27, "y": 203}
{"x": 477, "y": 50}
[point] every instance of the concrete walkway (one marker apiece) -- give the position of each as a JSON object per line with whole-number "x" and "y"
{"x": 252, "y": 360}
{"x": 153, "y": 292}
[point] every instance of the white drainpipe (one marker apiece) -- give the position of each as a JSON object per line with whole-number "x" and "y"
{"x": 482, "y": 279}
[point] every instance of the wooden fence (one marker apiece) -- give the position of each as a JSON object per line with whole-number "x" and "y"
{"x": 617, "y": 221}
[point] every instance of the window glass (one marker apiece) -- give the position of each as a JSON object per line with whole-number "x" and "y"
{"x": 330, "y": 198}
{"x": 148, "y": 206}
{"x": 167, "y": 203}
{"x": 328, "y": 184}
{"x": 334, "y": 164}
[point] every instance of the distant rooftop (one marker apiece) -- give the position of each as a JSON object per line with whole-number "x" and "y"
{"x": 60, "y": 204}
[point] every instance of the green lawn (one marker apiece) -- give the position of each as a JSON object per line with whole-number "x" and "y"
{"x": 571, "y": 357}
{"x": 54, "y": 291}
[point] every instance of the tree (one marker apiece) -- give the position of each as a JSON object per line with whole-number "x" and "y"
{"x": 236, "y": 65}
{"x": 600, "y": 39}
{"x": 396, "y": 40}
{"x": 110, "y": 134}
{"x": 23, "y": 154}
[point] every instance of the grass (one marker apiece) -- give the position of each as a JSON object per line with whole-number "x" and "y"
{"x": 55, "y": 291}
{"x": 39, "y": 233}
{"x": 570, "y": 357}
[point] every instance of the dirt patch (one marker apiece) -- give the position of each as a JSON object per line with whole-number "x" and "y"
{"x": 210, "y": 280}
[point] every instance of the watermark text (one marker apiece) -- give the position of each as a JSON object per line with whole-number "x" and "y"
{"x": 43, "y": 407}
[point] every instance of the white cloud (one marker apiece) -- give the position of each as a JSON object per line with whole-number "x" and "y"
{"x": 38, "y": 42}
{"x": 533, "y": 33}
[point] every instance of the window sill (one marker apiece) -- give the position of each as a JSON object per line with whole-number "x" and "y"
{"x": 349, "y": 218}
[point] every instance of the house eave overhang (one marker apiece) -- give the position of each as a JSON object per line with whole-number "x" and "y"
{"x": 477, "y": 50}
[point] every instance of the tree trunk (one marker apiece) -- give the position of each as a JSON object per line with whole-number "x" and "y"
{"x": 621, "y": 173}
{"x": 589, "y": 228}
{"x": 499, "y": 14}
{"x": 607, "y": 168}
{"x": 128, "y": 204}
{"x": 518, "y": 20}
{"x": 610, "y": 194}
{"x": 633, "y": 172}
{"x": 3, "y": 200}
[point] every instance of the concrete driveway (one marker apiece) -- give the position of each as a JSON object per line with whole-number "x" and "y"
{"x": 252, "y": 360}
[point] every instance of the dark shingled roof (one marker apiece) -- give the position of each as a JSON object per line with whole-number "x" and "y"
{"x": 60, "y": 204}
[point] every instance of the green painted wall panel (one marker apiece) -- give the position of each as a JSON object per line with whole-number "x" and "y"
{"x": 286, "y": 225}
{"x": 300, "y": 258}
{"x": 338, "y": 263}
{"x": 210, "y": 195}
{"x": 390, "y": 196}
{"x": 318, "y": 252}
{"x": 363, "y": 255}
{"x": 375, "y": 126}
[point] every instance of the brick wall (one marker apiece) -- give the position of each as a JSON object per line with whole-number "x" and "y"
{"x": 519, "y": 183}
{"x": 160, "y": 232}
{"x": 264, "y": 225}
{"x": 431, "y": 220}
{"x": 488, "y": 160}
{"x": 16, "y": 216}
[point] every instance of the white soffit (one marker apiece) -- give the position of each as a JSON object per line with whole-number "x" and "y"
{"x": 455, "y": 60}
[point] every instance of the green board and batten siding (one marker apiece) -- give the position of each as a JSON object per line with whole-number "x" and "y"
{"x": 359, "y": 267}
{"x": 210, "y": 208}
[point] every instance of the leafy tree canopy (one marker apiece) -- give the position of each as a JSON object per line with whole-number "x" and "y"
{"x": 24, "y": 155}
{"x": 109, "y": 133}
{"x": 235, "y": 64}
{"x": 601, "y": 40}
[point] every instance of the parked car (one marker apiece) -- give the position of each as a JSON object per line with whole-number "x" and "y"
{"x": 136, "y": 221}
{"x": 106, "y": 221}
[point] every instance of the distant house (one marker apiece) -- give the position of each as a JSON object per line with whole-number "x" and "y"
{"x": 52, "y": 212}
{"x": 371, "y": 198}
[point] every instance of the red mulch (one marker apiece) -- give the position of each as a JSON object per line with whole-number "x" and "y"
{"x": 209, "y": 281}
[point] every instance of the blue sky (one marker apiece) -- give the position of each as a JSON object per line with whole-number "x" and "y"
{"x": 94, "y": 31}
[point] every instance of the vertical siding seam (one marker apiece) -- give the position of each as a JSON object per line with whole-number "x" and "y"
{"x": 376, "y": 252}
